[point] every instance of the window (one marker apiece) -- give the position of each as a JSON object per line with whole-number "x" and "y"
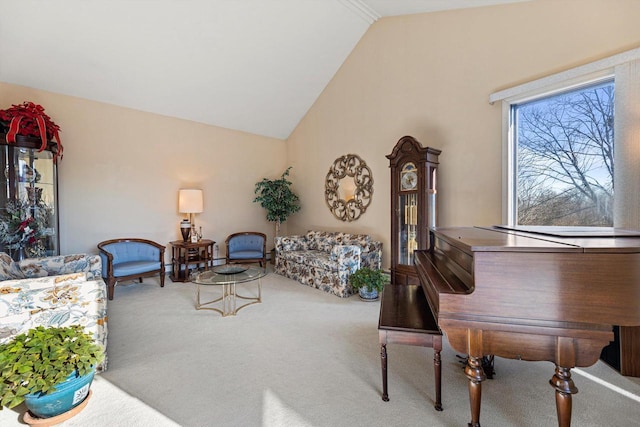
{"x": 563, "y": 146}
{"x": 558, "y": 143}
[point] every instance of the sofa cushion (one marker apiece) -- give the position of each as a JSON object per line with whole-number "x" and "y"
{"x": 361, "y": 240}
{"x": 247, "y": 254}
{"x": 134, "y": 267}
{"x": 295, "y": 256}
{"x": 312, "y": 243}
{"x": 9, "y": 269}
{"x": 246, "y": 242}
{"x": 18, "y": 295}
{"x": 73, "y": 263}
{"x": 326, "y": 240}
{"x": 291, "y": 243}
{"x": 60, "y": 264}
{"x": 32, "y": 270}
{"x": 5, "y": 266}
{"x": 317, "y": 259}
{"x": 322, "y": 240}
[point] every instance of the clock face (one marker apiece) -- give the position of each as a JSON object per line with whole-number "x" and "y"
{"x": 409, "y": 180}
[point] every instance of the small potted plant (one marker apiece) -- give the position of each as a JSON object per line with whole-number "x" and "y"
{"x": 368, "y": 282}
{"x": 48, "y": 368}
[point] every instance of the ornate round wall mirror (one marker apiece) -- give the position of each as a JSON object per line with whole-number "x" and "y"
{"x": 348, "y": 187}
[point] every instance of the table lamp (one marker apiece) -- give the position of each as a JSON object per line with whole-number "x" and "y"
{"x": 189, "y": 202}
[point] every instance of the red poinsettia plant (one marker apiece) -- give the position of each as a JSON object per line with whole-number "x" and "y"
{"x": 29, "y": 119}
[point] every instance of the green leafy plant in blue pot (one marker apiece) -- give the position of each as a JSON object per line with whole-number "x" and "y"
{"x": 368, "y": 282}
{"x": 48, "y": 368}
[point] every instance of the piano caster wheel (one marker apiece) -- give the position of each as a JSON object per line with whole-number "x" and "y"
{"x": 385, "y": 398}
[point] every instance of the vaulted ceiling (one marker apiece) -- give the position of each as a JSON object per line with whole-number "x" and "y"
{"x": 249, "y": 65}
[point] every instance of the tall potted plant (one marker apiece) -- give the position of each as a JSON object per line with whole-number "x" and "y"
{"x": 277, "y": 198}
{"x": 48, "y": 368}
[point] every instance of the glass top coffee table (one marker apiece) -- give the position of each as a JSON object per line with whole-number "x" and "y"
{"x": 227, "y": 276}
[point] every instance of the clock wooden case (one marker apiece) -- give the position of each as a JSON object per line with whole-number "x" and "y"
{"x": 413, "y": 205}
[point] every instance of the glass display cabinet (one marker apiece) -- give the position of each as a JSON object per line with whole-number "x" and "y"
{"x": 28, "y": 199}
{"x": 413, "y": 205}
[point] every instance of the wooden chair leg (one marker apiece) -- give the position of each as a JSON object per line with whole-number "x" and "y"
{"x": 162, "y": 279}
{"x": 111, "y": 284}
{"x": 383, "y": 361}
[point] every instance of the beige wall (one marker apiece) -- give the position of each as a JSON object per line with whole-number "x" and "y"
{"x": 430, "y": 76}
{"x": 122, "y": 169}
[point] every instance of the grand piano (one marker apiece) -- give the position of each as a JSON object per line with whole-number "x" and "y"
{"x": 536, "y": 293}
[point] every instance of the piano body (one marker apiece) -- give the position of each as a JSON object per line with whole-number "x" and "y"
{"x": 545, "y": 294}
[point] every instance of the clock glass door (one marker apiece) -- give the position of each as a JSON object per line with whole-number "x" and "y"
{"x": 408, "y": 227}
{"x": 408, "y": 205}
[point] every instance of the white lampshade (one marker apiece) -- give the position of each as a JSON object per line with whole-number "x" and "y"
{"x": 190, "y": 201}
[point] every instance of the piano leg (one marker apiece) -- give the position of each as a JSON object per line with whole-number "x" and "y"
{"x": 383, "y": 361}
{"x": 476, "y": 375}
{"x": 437, "y": 365}
{"x": 565, "y": 387}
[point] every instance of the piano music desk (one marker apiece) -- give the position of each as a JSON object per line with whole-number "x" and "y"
{"x": 405, "y": 318}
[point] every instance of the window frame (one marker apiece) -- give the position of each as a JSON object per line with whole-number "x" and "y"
{"x": 512, "y": 207}
{"x": 624, "y": 70}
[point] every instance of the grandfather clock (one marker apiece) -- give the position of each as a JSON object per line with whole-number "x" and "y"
{"x": 413, "y": 205}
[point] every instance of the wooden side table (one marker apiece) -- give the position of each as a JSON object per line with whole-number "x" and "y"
{"x": 187, "y": 254}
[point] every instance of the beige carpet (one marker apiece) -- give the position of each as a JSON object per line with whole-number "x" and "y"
{"x": 306, "y": 358}
{"x": 108, "y": 406}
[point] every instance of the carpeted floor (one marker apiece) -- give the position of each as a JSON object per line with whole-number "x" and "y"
{"x": 306, "y": 358}
{"x": 108, "y": 406}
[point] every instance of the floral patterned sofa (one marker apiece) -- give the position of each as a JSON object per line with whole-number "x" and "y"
{"x": 325, "y": 260}
{"x": 53, "y": 291}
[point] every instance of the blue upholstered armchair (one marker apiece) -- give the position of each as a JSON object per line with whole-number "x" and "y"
{"x": 247, "y": 247}
{"x": 129, "y": 259}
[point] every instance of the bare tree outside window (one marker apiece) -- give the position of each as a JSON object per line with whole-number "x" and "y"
{"x": 564, "y": 146}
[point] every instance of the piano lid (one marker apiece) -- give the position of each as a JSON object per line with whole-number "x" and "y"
{"x": 492, "y": 272}
{"x": 572, "y": 231}
{"x": 504, "y": 238}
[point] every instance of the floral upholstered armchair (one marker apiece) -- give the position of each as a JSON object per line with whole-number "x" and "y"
{"x": 325, "y": 260}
